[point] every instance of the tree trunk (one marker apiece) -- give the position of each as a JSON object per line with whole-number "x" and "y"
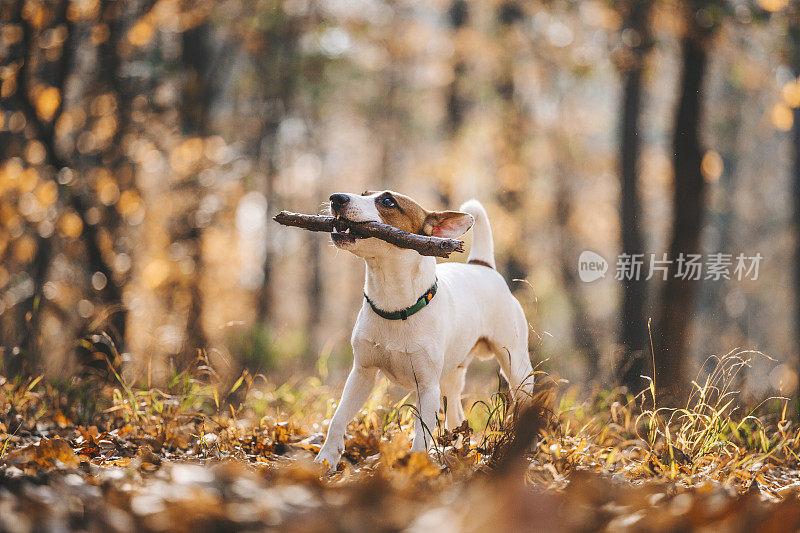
{"x": 796, "y": 214}
{"x": 455, "y": 100}
{"x": 315, "y": 294}
{"x": 56, "y": 76}
{"x": 387, "y": 173}
{"x": 29, "y": 310}
{"x": 513, "y": 188}
{"x": 794, "y": 36}
{"x": 721, "y": 217}
{"x": 633, "y": 335}
{"x": 459, "y": 16}
{"x": 80, "y": 199}
{"x": 195, "y": 104}
{"x": 264, "y": 293}
{"x": 282, "y": 66}
{"x": 110, "y": 78}
{"x": 583, "y": 331}
{"x": 198, "y": 88}
{"x": 678, "y": 296}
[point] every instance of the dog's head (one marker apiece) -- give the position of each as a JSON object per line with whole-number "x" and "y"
{"x": 395, "y": 210}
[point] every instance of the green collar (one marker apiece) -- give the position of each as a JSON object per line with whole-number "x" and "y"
{"x": 403, "y": 314}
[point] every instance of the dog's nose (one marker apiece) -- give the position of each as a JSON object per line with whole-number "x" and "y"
{"x": 339, "y": 199}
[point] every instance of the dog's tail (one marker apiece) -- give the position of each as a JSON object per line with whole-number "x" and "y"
{"x": 482, "y": 250}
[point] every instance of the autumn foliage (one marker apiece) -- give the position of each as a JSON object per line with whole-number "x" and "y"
{"x": 169, "y": 355}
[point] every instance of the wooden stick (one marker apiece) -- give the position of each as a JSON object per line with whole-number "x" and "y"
{"x": 433, "y": 246}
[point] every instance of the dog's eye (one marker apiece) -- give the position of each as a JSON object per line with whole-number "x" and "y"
{"x": 388, "y": 202}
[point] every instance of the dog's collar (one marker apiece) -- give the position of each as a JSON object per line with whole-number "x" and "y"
{"x": 403, "y": 314}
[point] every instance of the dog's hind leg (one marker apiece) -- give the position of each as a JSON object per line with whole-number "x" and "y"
{"x": 452, "y": 386}
{"x": 515, "y": 366}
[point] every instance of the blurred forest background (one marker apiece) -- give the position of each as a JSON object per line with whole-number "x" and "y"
{"x": 146, "y": 144}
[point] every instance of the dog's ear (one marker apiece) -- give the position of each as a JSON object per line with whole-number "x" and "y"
{"x": 447, "y": 224}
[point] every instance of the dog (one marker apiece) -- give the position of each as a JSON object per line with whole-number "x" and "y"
{"x": 421, "y": 323}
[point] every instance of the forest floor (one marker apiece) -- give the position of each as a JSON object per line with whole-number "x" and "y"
{"x": 193, "y": 457}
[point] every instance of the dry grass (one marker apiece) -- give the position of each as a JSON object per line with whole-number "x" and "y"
{"x": 631, "y": 448}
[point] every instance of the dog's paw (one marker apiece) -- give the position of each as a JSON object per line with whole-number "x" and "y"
{"x": 328, "y": 456}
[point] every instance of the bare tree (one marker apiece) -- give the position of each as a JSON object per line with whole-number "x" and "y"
{"x": 794, "y": 60}
{"x": 282, "y": 67}
{"x": 583, "y": 330}
{"x": 456, "y": 101}
{"x": 54, "y": 73}
{"x": 688, "y": 203}
{"x": 512, "y": 193}
{"x": 204, "y": 66}
{"x": 722, "y": 219}
{"x": 636, "y": 43}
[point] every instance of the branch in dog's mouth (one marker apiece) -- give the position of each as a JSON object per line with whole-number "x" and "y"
{"x": 342, "y": 233}
{"x": 349, "y": 231}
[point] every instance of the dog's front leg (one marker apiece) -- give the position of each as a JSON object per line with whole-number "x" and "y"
{"x": 425, "y": 423}
{"x": 356, "y": 389}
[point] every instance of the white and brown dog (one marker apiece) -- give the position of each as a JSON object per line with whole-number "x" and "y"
{"x": 421, "y": 322}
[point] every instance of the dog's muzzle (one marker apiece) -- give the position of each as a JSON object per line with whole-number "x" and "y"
{"x": 343, "y": 235}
